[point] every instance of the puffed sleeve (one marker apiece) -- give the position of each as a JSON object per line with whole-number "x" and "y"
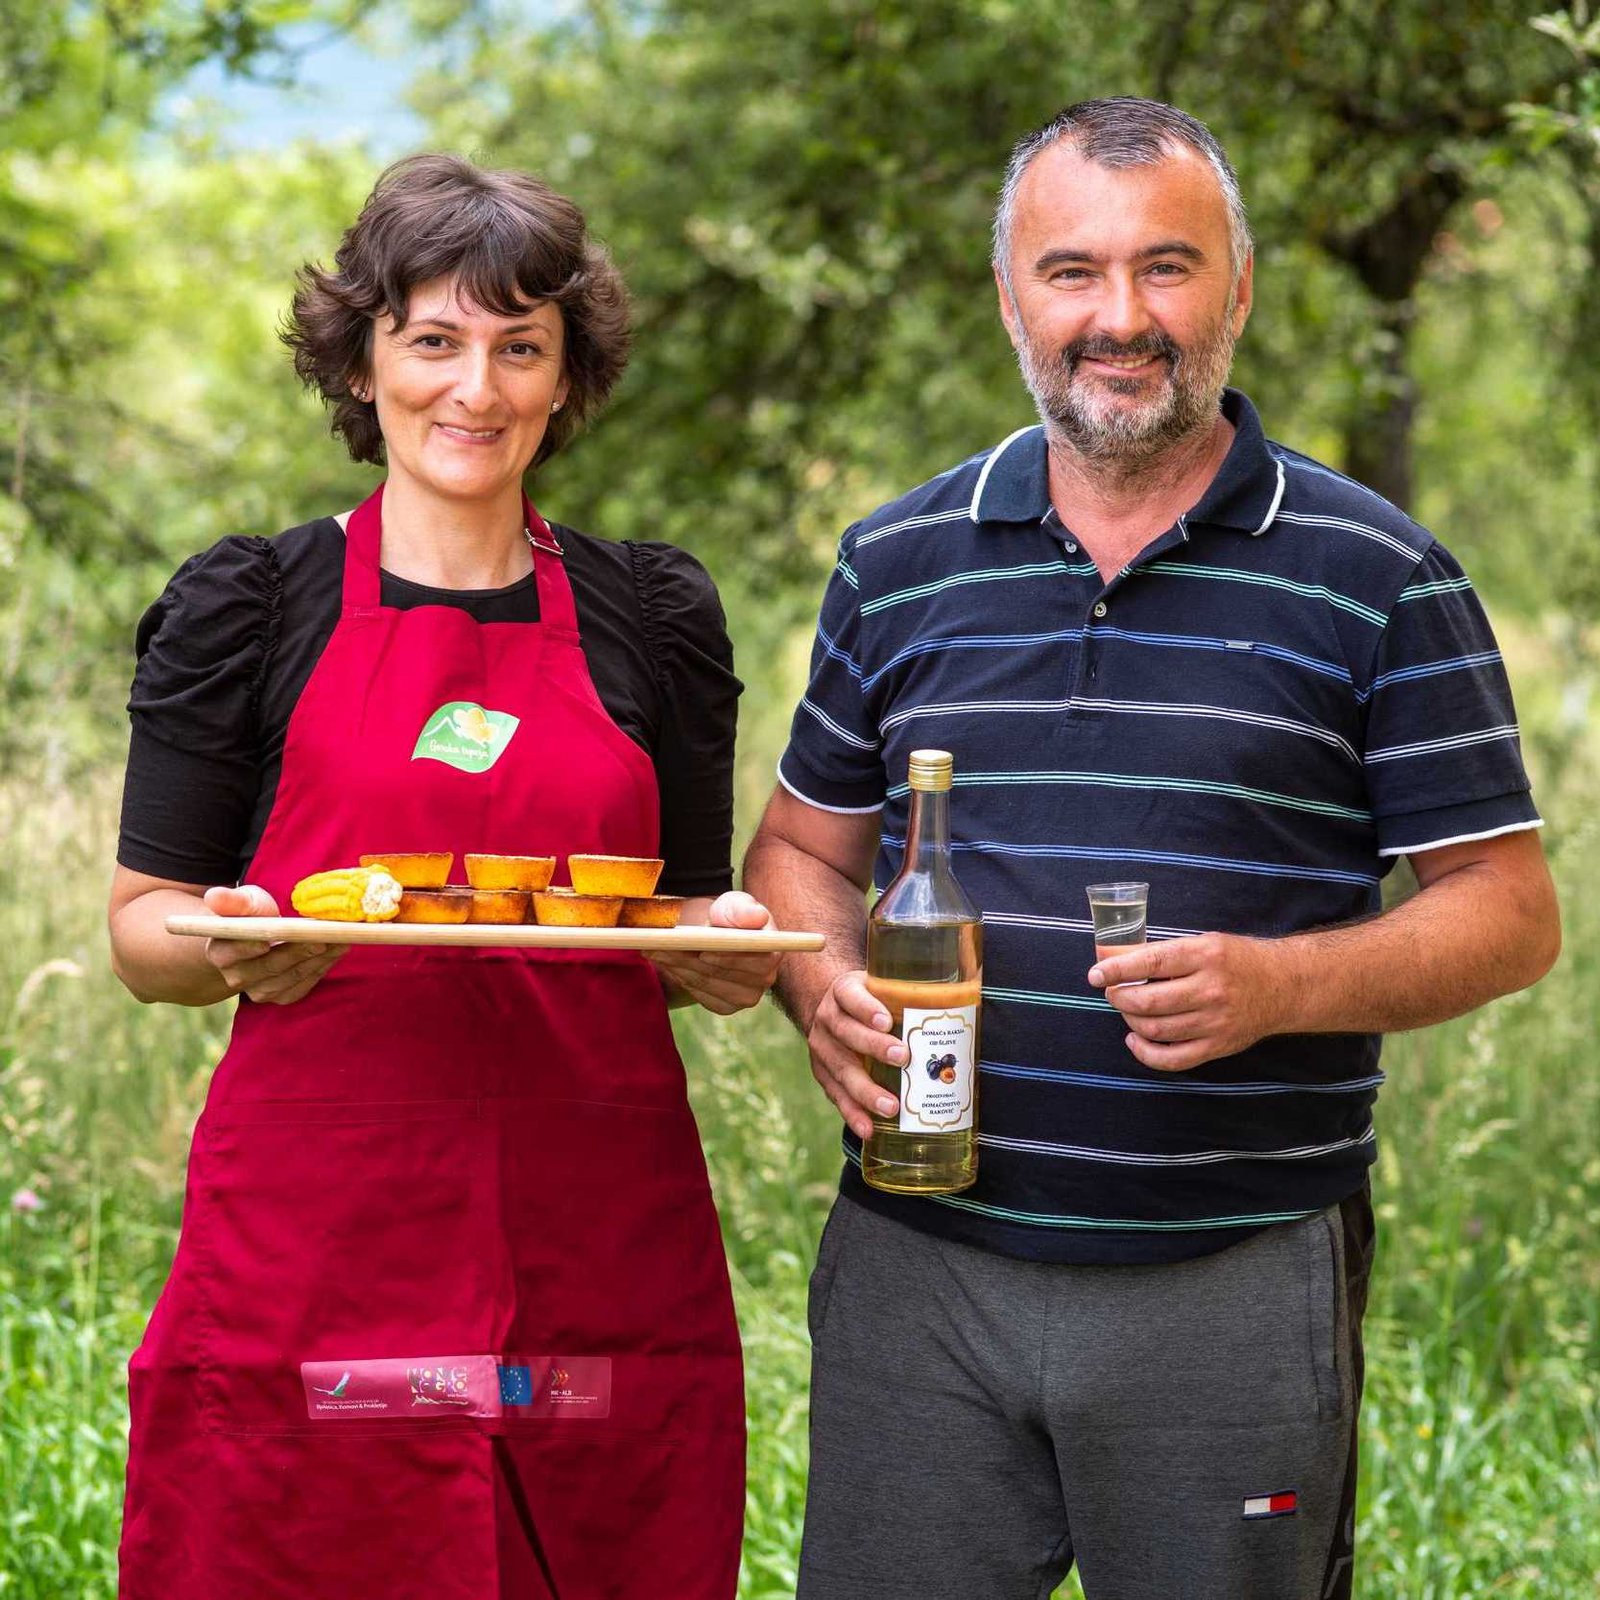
{"x": 193, "y": 757}
{"x": 687, "y": 638}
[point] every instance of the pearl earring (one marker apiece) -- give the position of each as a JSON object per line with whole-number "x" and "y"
{"x": 556, "y": 406}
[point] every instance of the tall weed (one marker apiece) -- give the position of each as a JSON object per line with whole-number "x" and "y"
{"x": 1481, "y": 1448}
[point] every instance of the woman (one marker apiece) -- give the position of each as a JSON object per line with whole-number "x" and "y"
{"x": 449, "y": 1316}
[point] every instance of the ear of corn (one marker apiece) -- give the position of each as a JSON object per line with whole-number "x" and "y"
{"x": 348, "y": 894}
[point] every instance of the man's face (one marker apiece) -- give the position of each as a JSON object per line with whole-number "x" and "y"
{"x": 1122, "y": 303}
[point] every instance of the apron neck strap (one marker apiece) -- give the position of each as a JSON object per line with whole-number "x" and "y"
{"x": 363, "y": 540}
{"x": 556, "y": 608}
{"x": 363, "y": 543}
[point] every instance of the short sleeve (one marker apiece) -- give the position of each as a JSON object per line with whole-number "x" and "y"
{"x": 834, "y": 758}
{"x": 686, "y": 634}
{"x": 194, "y": 751}
{"x": 1442, "y": 757}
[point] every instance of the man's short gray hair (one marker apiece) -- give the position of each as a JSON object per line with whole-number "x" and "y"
{"x": 1125, "y": 132}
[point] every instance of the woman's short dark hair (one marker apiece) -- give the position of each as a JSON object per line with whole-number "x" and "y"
{"x": 505, "y": 237}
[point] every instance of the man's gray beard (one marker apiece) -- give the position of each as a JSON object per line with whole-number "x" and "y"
{"x": 1130, "y": 436}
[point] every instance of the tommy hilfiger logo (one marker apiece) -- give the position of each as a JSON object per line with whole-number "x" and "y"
{"x": 1259, "y": 1506}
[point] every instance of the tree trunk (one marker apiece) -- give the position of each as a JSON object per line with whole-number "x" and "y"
{"x": 1377, "y": 437}
{"x": 1388, "y": 254}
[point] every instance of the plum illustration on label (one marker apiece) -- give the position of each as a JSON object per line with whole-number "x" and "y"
{"x": 464, "y": 735}
{"x": 936, "y": 1096}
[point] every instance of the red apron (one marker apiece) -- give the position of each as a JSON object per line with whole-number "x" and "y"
{"x": 466, "y": 1183}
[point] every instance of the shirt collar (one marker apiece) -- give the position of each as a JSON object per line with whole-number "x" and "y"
{"x": 1014, "y": 484}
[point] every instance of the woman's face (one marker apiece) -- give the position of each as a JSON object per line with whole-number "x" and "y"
{"x": 463, "y": 395}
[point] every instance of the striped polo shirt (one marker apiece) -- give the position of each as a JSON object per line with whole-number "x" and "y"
{"x": 1288, "y": 689}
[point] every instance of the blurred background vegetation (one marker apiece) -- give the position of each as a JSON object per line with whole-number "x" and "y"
{"x": 798, "y": 192}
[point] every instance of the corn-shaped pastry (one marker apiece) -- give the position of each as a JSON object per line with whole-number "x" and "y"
{"x": 348, "y": 894}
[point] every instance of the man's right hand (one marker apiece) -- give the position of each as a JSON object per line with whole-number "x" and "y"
{"x": 276, "y": 974}
{"x": 849, "y": 1023}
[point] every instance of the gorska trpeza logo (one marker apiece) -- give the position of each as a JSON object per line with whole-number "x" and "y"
{"x": 463, "y": 735}
{"x": 337, "y": 1391}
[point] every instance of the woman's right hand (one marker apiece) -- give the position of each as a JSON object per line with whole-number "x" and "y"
{"x": 276, "y": 974}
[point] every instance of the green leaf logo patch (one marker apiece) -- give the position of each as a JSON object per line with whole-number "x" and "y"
{"x": 464, "y": 735}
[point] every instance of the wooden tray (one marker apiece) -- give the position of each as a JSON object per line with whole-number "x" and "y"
{"x": 311, "y": 930}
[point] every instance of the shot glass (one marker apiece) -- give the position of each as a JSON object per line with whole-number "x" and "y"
{"x": 1118, "y": 910}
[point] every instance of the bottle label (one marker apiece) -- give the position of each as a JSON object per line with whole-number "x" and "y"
{"x": 936, "y": 1083}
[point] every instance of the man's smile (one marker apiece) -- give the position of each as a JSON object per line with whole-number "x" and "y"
{"x": 1123, "y": 366}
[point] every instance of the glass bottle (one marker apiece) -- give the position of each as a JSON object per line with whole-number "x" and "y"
{"x": 925, "y": 963}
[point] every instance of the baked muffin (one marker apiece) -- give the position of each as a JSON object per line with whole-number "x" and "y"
{"x": 656, "y": 911}
{"x": 510, "y": 872}
{"x": 416, "y": 870}
{"x": 631, "y": 876}
{"x": 561, "y": 908}
{"x": 435, "y": 905}
{"x": 499, "y": 905}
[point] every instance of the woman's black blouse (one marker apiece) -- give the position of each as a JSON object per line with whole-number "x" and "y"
{"x": 225, "y": 652}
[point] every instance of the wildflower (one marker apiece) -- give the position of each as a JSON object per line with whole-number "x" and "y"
{"x": 26, "y": 1200}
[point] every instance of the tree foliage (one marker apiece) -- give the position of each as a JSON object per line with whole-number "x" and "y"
{"x": 78, "y": 88}
{"x": 800, "y": 197}
{"x": 1369, "y": 123}
{"x": 103, "y": 289}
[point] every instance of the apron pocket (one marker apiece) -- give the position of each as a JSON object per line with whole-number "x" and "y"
{"x": 335, "y": 1232}
{"x": 615, "y": 1252}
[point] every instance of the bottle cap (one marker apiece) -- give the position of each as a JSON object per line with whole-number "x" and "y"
{"x": 932, "y": 771}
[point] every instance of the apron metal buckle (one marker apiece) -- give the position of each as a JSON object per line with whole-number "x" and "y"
{"x": 545, "y": 540}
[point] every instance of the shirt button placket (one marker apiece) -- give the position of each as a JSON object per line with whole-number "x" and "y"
{"x": 1091, "y": 666}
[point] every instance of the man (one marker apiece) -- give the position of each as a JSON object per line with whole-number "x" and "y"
{"x": 1162, "y": 647}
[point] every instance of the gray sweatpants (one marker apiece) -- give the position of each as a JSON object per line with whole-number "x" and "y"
{"x": 1182, "y": 1432}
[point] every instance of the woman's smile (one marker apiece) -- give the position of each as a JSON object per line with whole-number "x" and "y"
{"x": 469, "y": 436}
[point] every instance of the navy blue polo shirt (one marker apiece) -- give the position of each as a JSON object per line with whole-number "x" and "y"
{"x": 1288, "y": 689}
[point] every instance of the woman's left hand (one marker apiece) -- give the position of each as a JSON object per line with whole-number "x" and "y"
{"x": 720, "y": 982}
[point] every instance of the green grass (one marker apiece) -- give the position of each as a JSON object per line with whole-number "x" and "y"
{"x": 1482, "y": 1421}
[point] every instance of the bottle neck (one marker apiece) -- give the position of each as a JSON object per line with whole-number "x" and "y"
{"x": 928, "y": 830}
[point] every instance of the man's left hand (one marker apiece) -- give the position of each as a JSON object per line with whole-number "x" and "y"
{"x": 721, "y": 982}
{"x": 1196, "y": 999}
